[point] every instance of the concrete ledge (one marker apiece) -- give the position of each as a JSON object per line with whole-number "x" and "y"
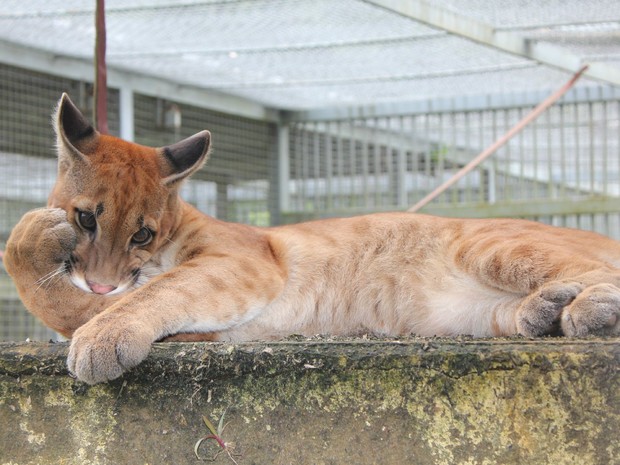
{"x": 418, "y": 401}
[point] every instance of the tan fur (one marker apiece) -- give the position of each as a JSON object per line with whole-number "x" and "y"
{"x": 204, "y": 279}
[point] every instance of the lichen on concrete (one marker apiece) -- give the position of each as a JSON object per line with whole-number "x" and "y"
{"x": 322, "y": 401}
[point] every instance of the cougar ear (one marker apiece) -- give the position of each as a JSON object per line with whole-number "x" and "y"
{"x": 74, "y": 134}
{"x": 183, "y": 158}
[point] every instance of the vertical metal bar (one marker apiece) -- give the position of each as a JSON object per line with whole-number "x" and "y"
{"x": 365, "y": 163}
{"x": 562, "y": 153}
{"x": 329, "y": 167}
{"x": 592, "y": 155}
{"x": 126, "y": 110}
{"x": 284, "y": 170}
{"x": 509, "y": 174}
{"x": 316, "y": 162}
{"x": 577, "y": 155}
{"x": 303, "y": 179}
{"x": 401, "y": 167}
{"x": 467, "y": 197}
{"x": 441, "y": 166}
{"x": 376, "y": 157}
{"x": 427, "y": 150}
{"x": 604, "y": 147}
{"x": 419, "y": 184}
{"x": 550, "y": 153}
{"x": 483, "y": 177}
{"x": 522, "y": 187}
{"x": 454, "y": 148}
{"x": 353, "y": 164}
{"x": 388, "y": 156}
{"x": 617, "y": 155}
{"x": 535, "y": 160}
{"x": 493, "y": 182}
{"x": 495, "y": 159}
{"x": 222, "y": 204}
{"x": 294, "y": 166}
{"x": 384, "y": 151}
{"x": 339, "y": 167}
{"x": 294, "y": 131}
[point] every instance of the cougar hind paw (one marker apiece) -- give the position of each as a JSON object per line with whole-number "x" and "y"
{"x": 596, "y": 310}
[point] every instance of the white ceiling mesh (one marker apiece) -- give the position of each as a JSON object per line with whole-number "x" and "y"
{"x": 300, "y": 54}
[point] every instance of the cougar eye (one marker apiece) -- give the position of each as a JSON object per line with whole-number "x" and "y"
{"x": 86, "y": 220}
{"x": 142, "y": 237}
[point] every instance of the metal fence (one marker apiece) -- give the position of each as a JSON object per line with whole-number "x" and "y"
{"x": 235, "y": 185}
{"x": 563, "y": 169}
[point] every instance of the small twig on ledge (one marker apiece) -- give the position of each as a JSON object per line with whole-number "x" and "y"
{"x": 216, "y": 435}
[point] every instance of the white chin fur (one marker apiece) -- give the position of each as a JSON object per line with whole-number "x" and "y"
{"x": 79, "y": 282}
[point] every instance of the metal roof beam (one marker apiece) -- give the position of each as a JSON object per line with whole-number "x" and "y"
{"x": 450, "y": 104}
{"x": 82, "y": 69}
{"x": 507, "y": 41}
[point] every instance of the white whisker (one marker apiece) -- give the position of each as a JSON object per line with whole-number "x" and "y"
{"x": 50, "y": 278}
{"x": 171, "y": 241}
{"x": 148, "y": 271}
{"x": 57, "y": 277}
{"x": 46, "y": 277}
{"x": 42, "y": 280}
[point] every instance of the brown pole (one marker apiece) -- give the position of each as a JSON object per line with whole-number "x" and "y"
{"x": 100, "y": 108}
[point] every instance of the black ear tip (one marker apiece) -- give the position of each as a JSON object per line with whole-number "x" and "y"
{"x": 186, "y": 156}
{"x": 65, "y": 102}
{"x": 72, "y": 122}
{"x": 202, "y": 138}
{"x": 201, "y": 142}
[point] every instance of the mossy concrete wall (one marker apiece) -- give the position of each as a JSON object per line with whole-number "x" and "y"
{"x": 412, "y": 401}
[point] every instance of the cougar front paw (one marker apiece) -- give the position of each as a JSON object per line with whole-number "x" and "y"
{"x": 595, "y": 311}
{"x": 58, "y": 236}
{"x": 41, "y": 238}
{"x": 107, "y": 346}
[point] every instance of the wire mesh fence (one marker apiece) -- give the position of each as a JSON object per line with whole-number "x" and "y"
{"x": 27, "y": 170}
{"x": 564, "y": 169}
{"x": 235, "y": 185}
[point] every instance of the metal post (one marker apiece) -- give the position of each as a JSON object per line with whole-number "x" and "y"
{"x": 401, "y": 168}
{"x": 126, "y": 111}
{"x": 283, "y": 168}
{"x": 222, "y": 200}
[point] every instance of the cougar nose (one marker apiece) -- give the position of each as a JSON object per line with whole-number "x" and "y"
{"x": 100, "y": 288}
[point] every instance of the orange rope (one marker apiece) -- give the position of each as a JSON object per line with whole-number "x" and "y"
{"x": 501, "y": 141}
{"x": 101, "y": 73}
